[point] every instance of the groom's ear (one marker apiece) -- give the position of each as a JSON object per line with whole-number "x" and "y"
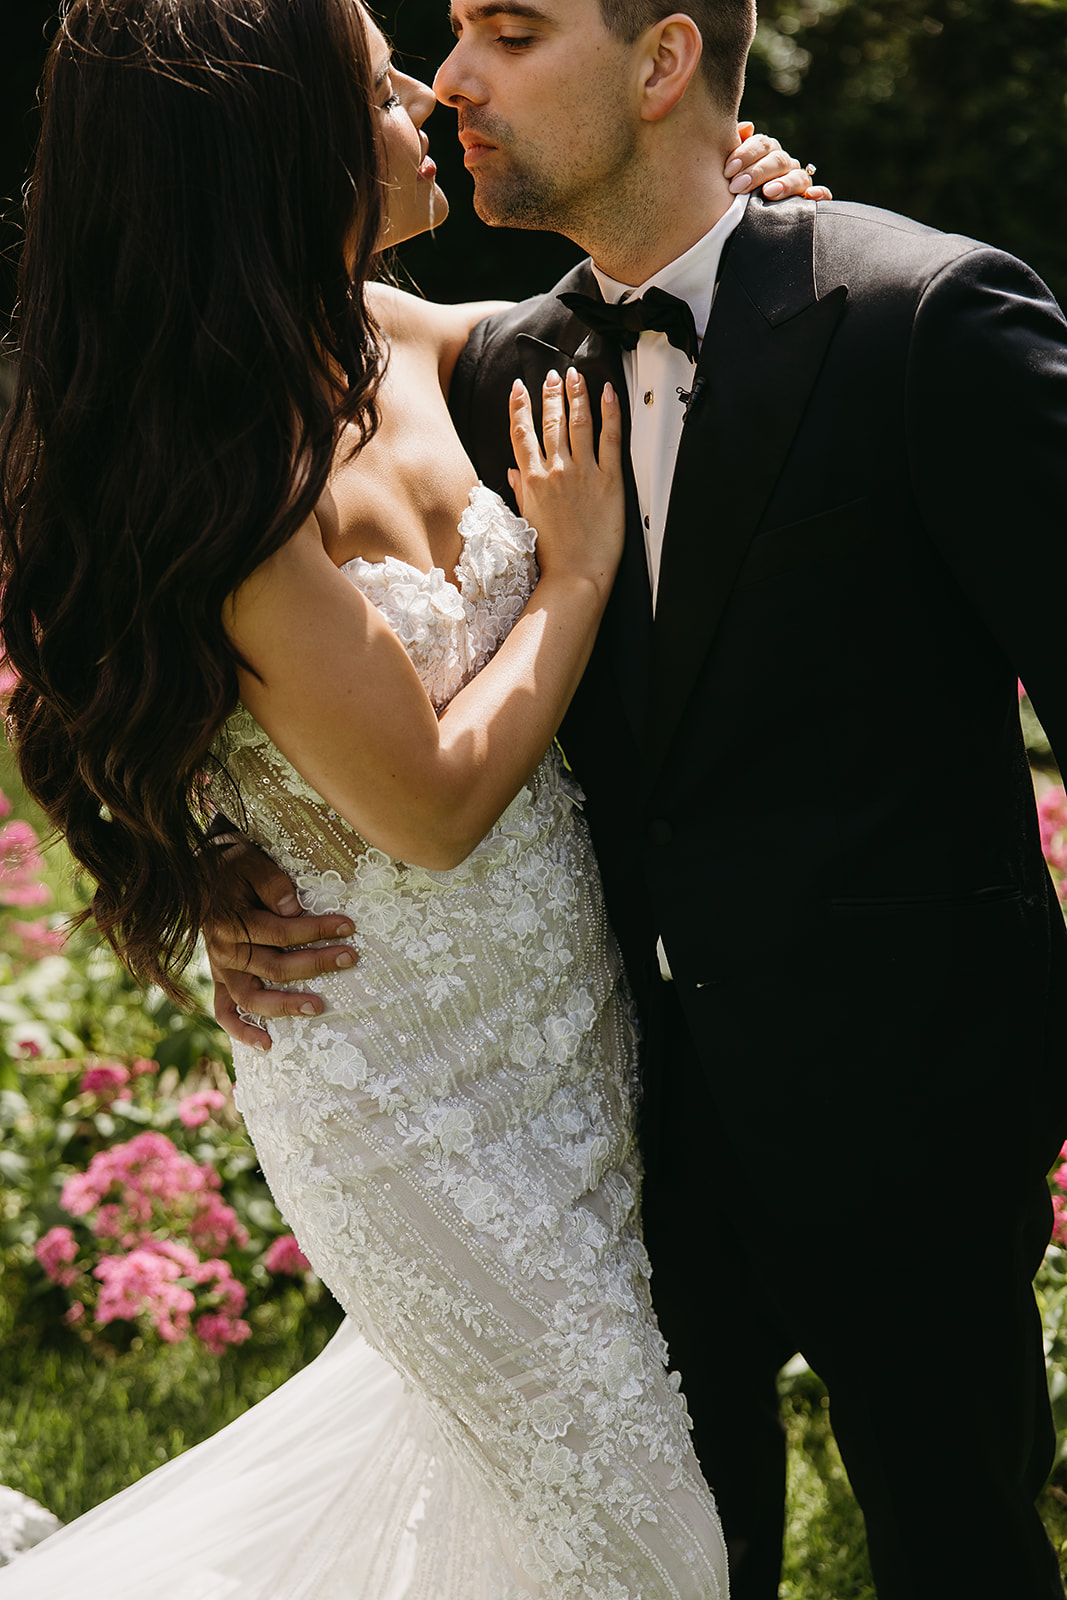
{"x": 669, "y": 54}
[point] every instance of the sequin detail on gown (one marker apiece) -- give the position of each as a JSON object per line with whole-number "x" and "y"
{"x": 452, "y": 1142}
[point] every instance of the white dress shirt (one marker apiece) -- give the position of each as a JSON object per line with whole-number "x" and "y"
{"x": 655, "y": 371}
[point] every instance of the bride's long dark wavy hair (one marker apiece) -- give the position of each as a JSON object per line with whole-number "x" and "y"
{"x": 202, "y": 215}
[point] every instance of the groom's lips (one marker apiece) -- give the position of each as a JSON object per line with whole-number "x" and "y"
{"x": 475, "y": 148}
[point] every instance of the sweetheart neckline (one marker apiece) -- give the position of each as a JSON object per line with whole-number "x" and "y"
{"x": 464, "y": 535}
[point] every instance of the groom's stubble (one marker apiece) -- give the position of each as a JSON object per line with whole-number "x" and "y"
{"x": 570, "y": 190}
{"x": 568, "y": 142}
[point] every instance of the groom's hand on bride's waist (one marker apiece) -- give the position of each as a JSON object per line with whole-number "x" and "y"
{"x": 262, "y": 943}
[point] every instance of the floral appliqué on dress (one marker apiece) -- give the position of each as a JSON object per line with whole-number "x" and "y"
{"x": 452, "y": 1142}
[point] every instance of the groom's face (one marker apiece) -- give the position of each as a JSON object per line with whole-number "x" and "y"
{"x": 547, "y": 106}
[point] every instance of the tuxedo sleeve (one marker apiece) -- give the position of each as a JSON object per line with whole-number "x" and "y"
{"x": 987, "y": 416}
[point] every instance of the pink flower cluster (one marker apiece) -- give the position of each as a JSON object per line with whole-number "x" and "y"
{"x": 195, "y": 1109}
{"x": 1052, "y": 817}
{"x": 284, "y": 1255}
{"x": 36, "y": 940}
{"x": 107, "y": 1080}
{"x": 157, "y": 1280}
{"x": 146, "y": 1183}
{"x": 1059, "y": 1201}
{"x": 135, "y": 1194}
{"x": 21, "y": 865}
{"x": 57, "y": 1251}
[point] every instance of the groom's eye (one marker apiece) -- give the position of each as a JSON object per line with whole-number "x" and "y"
{"x": 516, "y": 41}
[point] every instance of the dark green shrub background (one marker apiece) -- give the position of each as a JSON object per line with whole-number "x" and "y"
{"x": 953, "y": 111}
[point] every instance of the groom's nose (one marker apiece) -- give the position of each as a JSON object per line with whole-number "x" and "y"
{"x": 457, "y": 80}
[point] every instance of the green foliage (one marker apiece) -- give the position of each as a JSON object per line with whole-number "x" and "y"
{"x": 951, "y": 111}
{"x": 1051, "y": 1287}
{"x": 70, "y": 1007}
{"x": 826, "y": 1551}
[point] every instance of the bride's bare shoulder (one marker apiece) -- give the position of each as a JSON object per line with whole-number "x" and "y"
{"x": 439, "y": 330}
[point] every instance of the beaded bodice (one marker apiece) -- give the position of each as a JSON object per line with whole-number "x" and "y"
{"x": 452, "y": 1141}
{"x": 448, "y": 629}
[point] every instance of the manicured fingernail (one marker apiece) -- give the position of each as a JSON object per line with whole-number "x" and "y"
{"x": 263, "y": 1047}
{"x": 771, "y": 191}
{"x": 289, "y": 906}
{"x": 739, "y": 185}
{"x": 733, "y": 166}
{"x": 345, "y": 931}
{"x": 308, "y": 1010}
{"x": 552, "y": 379}
{"x": 609, "y": 392}
{"x": 345, "y": 959}
{"x": 574, "y": 377}
{"x": 516, "y": 388}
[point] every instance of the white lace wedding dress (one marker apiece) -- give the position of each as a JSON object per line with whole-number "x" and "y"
{"x": 453, "y": 1144}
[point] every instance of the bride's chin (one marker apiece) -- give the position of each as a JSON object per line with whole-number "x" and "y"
{"x": 436, "y": 211}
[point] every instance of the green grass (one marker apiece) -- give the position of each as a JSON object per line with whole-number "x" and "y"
{"x": 76, "y": 1426}
{"x": 826, "y": 1553}
{"x": 78, "y": 1423}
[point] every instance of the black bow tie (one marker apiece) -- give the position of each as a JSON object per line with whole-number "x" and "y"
{"x": 655, "y": 312}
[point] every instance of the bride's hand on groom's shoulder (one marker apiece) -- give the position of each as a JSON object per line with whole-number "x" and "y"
{"x": 260, "y": 941}
{"x": 760, "y": 162}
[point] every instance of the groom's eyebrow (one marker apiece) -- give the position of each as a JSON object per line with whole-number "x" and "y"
{"x": 491, "y": 9}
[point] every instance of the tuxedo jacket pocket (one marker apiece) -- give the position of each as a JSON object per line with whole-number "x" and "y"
{"x": 840, "y": 532}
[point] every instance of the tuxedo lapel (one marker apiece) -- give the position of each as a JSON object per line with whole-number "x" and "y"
{"x": 624, "y": 642}
{"x": 762, "y": 351}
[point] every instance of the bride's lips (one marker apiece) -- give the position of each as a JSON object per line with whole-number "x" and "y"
{"x": 427, "y": 166}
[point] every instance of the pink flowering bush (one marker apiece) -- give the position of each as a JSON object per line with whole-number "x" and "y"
{"x": 57, "y": 1251}
{"x": 179, "y": 1243}
{"x": 285, "y": 1256}
{"x": 163, "y": 1212}
{"x": 131, "y": 1205}
{"x": 133, "y": 1188}
{"x": 34, "y": 941}
{"x": 155, "y": 1243}
{"x": 1052, "y": 816}
{"x": 21, "y": 886}
{"x": 1051, "y": 1287}
{"x": 21, "y": 865}
{"x": 195, "y": 1109}
{"x": 108, "y": 1080}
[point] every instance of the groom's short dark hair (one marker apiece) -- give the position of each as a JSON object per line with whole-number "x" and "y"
{"x": 725, "y": 27}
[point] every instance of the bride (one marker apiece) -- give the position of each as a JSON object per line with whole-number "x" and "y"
{"x": 247, "y": 569}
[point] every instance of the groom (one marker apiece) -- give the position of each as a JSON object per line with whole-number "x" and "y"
{"x": 799, "y": 740}
{"x": 800, "y": 745}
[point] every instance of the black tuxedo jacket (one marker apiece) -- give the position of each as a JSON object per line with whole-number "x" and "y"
{"x": 807, "y": 773}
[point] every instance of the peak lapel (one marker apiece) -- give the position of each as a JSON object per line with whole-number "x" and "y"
{"x": 762, "y": 352}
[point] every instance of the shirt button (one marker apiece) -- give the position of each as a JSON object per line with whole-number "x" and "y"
{"x": 647, "y": 523}
{"x": 649, "y": 396}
